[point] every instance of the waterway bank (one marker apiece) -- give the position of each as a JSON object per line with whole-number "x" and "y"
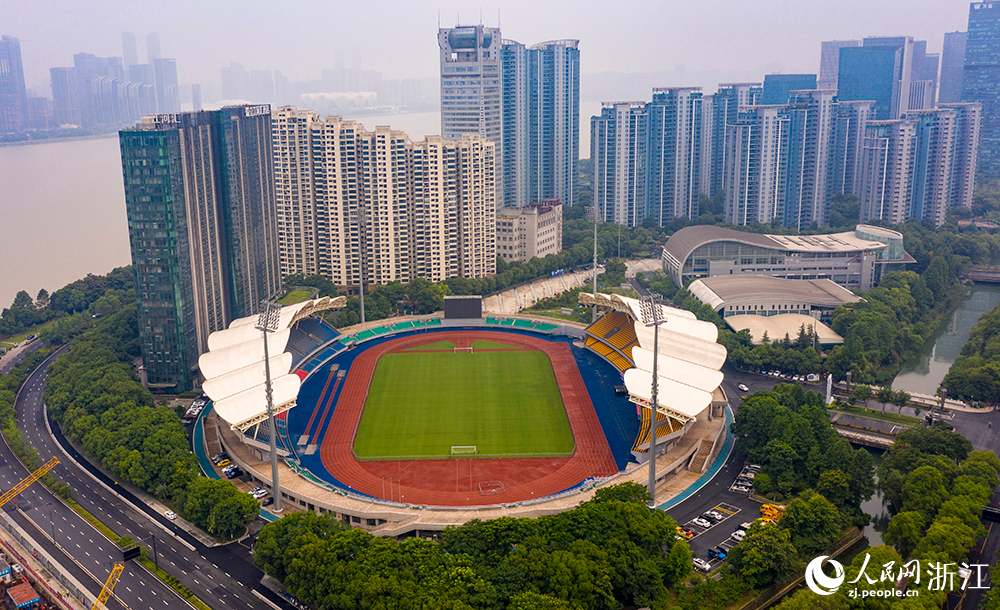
{"x": 924, "y": 373}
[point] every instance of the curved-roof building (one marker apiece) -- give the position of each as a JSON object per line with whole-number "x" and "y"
{"x": 763, "y": 295}
{"x": 848, "y": 258}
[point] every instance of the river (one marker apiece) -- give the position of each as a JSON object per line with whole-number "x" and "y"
{"x": 924, "y": 373}
{"x": 62, "y": 214}
{"x": 62, "y": 204}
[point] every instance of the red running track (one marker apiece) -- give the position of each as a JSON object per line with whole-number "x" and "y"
{"x": 456, "y": 482}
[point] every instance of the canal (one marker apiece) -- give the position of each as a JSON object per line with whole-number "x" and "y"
{"x": 924, "y": 373}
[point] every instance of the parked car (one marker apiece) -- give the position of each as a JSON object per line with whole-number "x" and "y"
{"x": 232, "y": 474}
{"x": 170, "y": 515}
{"x": 744, "y": 526}
{"x": 753, "y": 467}
{"x": 701, "y": 522}
{"x": 718, "y": 516}
{"x": 685, "y": 533}
{"x": 711, "y": 518}
{"x": 268, "y": 501}
{"x": 739, "y": 535}
{"x": 717, "y": 553}
{"x": 224, "y": 462}
{"x": 701, "y": 564}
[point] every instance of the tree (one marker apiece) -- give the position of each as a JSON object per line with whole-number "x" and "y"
{"x": 22, "y": 301}
{"x": 900, "y": 398}
{"x": 905, "y": 531}
{"x": 862, "y": 393}
{"x": 677, "y": 563}
{"x": 229, "y": 517}
{"x": 924, "y": 492}
{"x": 623, "y": 492}
{"x": 42, "y": 300}
{"x": 885, "y": 395}
{"x": 765, "y": 555}
{"x": 947, "y": 539}
{"x": 529, "y": 600}
{"x": 835, "y": 486}
{"x": 813, "y": 522}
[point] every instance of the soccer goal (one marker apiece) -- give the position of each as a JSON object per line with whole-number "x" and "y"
{"x": 463, "y": 449}
{"x": 463, "y": 349}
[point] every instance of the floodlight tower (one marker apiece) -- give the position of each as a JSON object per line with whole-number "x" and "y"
{"x": 595, "y": 214}
{"x": 652, "y": 315}
{"x": 267, "y": 322}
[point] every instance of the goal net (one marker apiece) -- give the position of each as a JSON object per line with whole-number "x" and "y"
{"x": 463, "y": 450}
{"x": 463, "y": 349}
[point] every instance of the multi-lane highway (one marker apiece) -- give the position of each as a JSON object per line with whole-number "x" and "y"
{"x": 222, "y": 577}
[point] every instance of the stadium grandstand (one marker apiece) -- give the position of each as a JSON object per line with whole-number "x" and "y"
{"x": 689, "y": 364}
{"x": 234, "y": 367}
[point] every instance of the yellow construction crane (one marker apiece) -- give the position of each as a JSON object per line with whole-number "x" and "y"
{"x": 34, "y": 476}
{"x": 109, "y": 586}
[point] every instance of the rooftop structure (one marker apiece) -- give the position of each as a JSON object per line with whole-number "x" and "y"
{"x": 777, "y": 327}
{"x": 848, "y": 258}
{"x": 734, "y": 295}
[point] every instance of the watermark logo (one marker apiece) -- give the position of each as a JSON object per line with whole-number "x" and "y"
{"x": 817, "y": 580}
{"x": 894, "y": 581}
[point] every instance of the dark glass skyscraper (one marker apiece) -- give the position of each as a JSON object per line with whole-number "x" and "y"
{"x": 199, "y": 193}
{"x": 952, "y": 66}
{"x": 870, "y": 73}
{"x": 981, "y": 80}
{"x": 778, "y": 87}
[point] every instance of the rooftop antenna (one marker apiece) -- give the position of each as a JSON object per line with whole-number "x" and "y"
{"x": 498, "y": 18}
{"x": 480, "y": 15}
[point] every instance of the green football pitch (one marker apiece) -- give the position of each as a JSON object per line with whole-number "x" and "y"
{"x": 506, "y": 403}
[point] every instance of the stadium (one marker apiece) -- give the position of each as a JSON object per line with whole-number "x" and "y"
{"x": 414, "y": 424}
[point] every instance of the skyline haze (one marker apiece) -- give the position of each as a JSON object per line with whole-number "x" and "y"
{"x": 690, "y": 44}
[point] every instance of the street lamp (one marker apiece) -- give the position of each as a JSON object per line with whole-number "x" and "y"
{"x": 652, "y": 315}
{"x": 595, "y": 213}
{"x": 267, "y": 322}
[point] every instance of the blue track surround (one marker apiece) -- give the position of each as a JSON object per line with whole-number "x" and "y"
{"x": 616, "y": 414}
{"x": 703, "y": 480}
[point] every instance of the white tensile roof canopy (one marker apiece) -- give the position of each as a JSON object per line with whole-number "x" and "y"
{"x": 689, "y": 357}
{"x": 234, "y": 365}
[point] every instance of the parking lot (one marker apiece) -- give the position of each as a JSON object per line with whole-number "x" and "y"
{"x": 728, "y": 523}
{"x": 735, "y": 507}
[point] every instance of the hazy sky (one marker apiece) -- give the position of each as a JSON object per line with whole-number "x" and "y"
{"x": 694, "y": 40}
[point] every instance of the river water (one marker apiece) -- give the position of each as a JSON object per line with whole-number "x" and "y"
{"x": 62, "y": 214}
{"x": 924, "y": 373}
{"x": 62, "y": 204}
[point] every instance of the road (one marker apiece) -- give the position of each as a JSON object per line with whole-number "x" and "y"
{"x": 179, "y": 553}
{"x": 717, "y": 492}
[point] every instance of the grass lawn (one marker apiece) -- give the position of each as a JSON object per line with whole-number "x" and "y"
{"x": 506, "y": 403}
{"x": 886, "y": 415}
{"x": 294, "y": 296}
{"x": 483, "y": 344}
{"x": 439, "y": 346}
{"x": 34, "y": 330}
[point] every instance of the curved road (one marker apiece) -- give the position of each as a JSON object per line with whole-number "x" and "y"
{"x": 179, "y": 553}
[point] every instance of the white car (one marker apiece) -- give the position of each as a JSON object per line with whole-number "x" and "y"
{"x": 739, "y": 535}
{"x": 743, "y": 388}
{"x": 701, "y": 564}
{"x": 701, "y": 522}
{"x": 170, "y": 515}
